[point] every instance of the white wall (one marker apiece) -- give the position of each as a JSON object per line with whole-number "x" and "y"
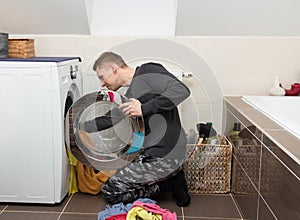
{"x": 243, "y": 66}
{"x": 237, "y": 65}
{"x": 240, "y": 65}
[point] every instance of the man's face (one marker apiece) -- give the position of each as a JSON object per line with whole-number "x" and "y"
{"x": 107, "y": 77}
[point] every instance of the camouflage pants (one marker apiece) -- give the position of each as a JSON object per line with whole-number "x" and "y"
{"x": 139, "y": 179}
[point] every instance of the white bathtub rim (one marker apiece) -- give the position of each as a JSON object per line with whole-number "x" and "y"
{"x": 282, "y": 120}
{"x": 248, "y": 99}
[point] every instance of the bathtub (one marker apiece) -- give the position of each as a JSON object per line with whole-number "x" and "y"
{"x": 284, "y": 110}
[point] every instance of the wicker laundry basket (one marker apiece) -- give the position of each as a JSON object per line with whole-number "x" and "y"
{"x": 208, "y": 167}
{"x": 21, "y": 48}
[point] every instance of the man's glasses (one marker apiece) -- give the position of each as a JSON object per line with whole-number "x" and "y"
{"x": 102, "y": 78}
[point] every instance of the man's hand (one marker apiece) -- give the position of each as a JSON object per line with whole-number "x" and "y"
{"x": 132, "y": 108}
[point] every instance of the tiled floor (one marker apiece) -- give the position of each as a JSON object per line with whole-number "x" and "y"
{"x": 86, "y": 207}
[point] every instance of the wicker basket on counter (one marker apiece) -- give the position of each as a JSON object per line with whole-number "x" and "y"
{"x": 208, "y": 167}
{"x": 21, "y": 48}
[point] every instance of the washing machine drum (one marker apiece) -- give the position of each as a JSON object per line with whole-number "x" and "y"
{"x": 99, "y": 134}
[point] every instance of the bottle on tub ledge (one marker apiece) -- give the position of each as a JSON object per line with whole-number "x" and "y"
{"x": 276, "y": 90}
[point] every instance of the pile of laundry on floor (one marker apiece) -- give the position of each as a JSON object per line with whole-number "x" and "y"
{"x": 140, "y": 209}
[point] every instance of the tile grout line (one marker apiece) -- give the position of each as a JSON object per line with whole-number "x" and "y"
{"x": 250, "y": 180}
{"x": 280, "y": 161}
{"x": 31, "y": 211}
{"x": 259, "y": 175}
{"x": 62, "y": 211}
{"x": 236, "y": 205}
{"x": 81, "y": 213}
{"x": 3, "y": 209}
{"x": 265, "y": 202}
{"x": 47, "y": 212}
{"x": 215, "y": 218}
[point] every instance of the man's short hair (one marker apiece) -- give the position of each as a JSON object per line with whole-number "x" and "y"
{"x": 107, "y": 58}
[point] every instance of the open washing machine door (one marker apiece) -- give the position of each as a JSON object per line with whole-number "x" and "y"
{"x": 99, "y": 134}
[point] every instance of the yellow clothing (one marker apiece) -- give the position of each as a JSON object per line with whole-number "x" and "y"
{"x": 89, "y": 181}
{"x": 73, "y": 188}
{"x": 140, "y": 213}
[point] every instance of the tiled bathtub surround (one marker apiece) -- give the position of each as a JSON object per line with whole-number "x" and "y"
{"x": 266, "y": 179}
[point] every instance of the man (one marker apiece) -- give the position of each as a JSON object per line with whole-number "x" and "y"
{"x": 154, "y": 94}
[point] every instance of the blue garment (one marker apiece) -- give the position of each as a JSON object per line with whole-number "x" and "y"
{"x": 138, "y": 140}
{"x": 120, "y": 208}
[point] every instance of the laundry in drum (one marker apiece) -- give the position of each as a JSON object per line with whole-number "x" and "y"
{"x": 104, "y": 136}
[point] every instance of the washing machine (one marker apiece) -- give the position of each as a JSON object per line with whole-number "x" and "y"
{"x": 35, "y": 95}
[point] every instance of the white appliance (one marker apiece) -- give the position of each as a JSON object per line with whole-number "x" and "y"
{"x": 35, "y": 94}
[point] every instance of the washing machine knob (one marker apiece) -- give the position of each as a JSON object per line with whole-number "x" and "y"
{"x": 73, "y": 72}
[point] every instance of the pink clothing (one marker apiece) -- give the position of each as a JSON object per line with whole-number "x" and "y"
{"x": 165, "y": 213}
{"x": 111, "y": 96}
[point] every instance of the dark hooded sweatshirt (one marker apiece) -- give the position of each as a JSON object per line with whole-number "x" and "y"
{"x": 160, "y": 92}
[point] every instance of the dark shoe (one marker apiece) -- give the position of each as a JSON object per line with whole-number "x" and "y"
{"x": 183, "y": 199}
{"x": 180, "y": 190}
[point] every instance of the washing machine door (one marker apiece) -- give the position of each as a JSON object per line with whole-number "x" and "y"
{"x": 99, "y": 134}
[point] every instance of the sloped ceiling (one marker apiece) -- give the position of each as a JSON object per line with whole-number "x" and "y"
{"x": 44, "y": 17}
{"x": 89, "y": 17}
{"x": 133, "y": 17}
{"x": 238, "y": 18}
{"x": 151, "y": 17}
